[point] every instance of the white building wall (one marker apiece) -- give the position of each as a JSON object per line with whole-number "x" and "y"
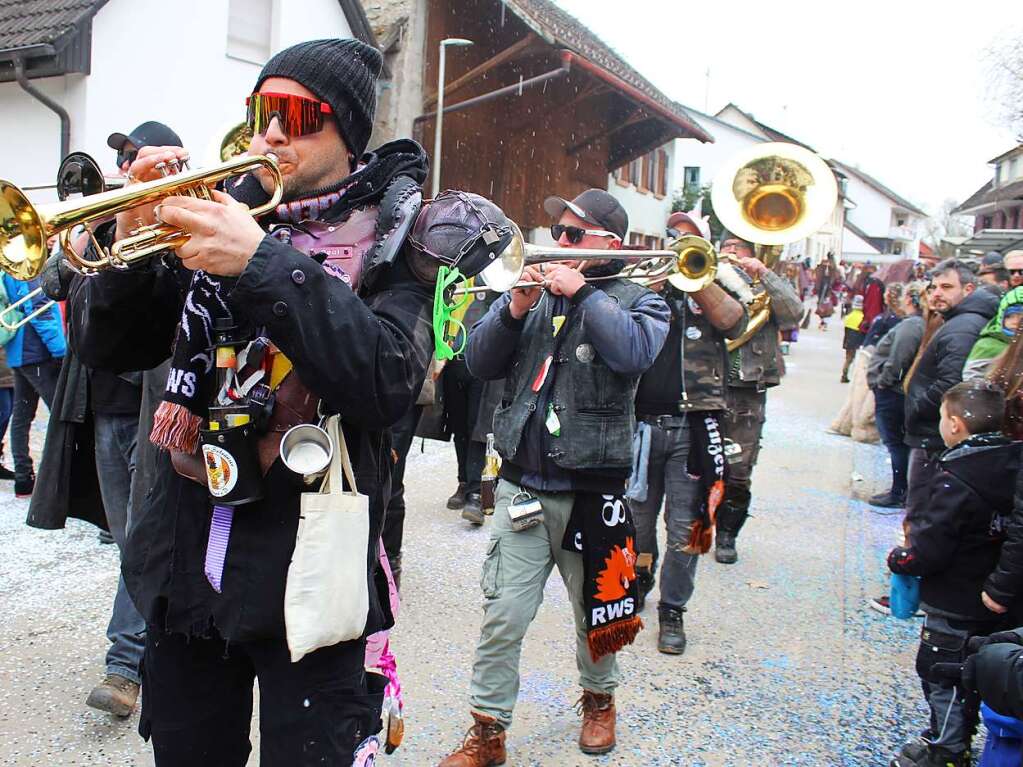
{"x": 648, "y": 213}
{"x": 711, "y": 156}
{"x": 873, "y": 214}
{"x": 184, "y": 79}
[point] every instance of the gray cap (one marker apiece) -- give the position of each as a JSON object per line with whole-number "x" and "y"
{"x": 594, "y": 206}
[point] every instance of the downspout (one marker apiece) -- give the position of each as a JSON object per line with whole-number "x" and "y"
{"x": 65, "y": 118}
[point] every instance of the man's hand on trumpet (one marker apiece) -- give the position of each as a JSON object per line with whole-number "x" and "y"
{"x": 224, "y": 235}
{"x": 144, "y": 169}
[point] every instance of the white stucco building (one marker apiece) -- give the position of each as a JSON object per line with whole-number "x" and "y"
{"x": 643, "y": 187}
{"x": 883, "y": 226}
{"x": 112, "y": 64}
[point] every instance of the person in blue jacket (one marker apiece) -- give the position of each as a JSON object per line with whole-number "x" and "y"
{"x": 34, "y": 355}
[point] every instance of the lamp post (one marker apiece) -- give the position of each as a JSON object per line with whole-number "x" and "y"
{"x": 458, "y": 41}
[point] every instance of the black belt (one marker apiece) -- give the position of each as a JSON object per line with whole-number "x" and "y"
{"x": 664, "y": 421}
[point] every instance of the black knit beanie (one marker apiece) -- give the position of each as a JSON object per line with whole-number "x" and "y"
{"x": 341, "y": 72}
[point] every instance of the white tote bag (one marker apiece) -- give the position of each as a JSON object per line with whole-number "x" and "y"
{"x": 326, "y": 598}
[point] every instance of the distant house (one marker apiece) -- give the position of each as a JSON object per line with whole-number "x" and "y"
{"x": 735, "y": 130}
{"x": 539, "y": 105}
{"x": 997, "y": 207}
{"x": 74, "y": 71}
{"x": 884, "y": 225}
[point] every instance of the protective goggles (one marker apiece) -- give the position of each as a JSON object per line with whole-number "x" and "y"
{"x": 297, "y": 115}
{"x": 575, "y": 234}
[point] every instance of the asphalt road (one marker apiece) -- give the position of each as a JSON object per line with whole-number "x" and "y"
{"x": 785, "y": 665}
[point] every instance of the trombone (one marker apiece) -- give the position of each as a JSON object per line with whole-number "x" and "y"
{"x": 25, "y": 228}
{"x": 689, "y": 264}
{"x": 772, "y": 194}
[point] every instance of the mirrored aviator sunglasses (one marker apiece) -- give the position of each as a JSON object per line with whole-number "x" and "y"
{"x": 297, "y": 115}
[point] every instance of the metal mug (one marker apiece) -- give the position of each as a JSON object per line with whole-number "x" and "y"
{"x": 307, "y": 449}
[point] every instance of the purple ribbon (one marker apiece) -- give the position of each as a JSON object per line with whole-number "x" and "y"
{"x": 216, "y": 547}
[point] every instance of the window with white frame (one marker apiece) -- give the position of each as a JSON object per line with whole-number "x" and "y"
{"x": 249, "y": 29}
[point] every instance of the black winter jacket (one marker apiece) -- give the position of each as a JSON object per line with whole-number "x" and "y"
{"x": 998, "y": 675}
{"x": 941, "y": 366}
{"x": 955, "y": 544}
{"x": 1005, "y": 584}
{"x": 365, "y": 357}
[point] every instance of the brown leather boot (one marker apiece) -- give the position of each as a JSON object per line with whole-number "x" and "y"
{"x": 598, "y": 731}
{"x": 483, "y": 745}
{"x": 115, "y": 695}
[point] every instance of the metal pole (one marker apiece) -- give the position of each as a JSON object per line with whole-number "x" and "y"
{"x": 440, "y": 123}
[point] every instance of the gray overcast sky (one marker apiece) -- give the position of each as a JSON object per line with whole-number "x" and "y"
{"x": 895, "y": 87}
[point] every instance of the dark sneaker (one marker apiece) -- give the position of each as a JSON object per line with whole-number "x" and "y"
{"x": 888, "y": 500}
{"x": 5, "y": 473}
{"x": 724, "y": 548}
{"x": 883, "y": 605}
{"x": 671, "y": 639}
{"x": 457, "y": 499}
{"x": 473, "y": 509}
{"x": 105, "y": 537}
{"x": 23, "y": 487}
{"x": 929, "y": 756}
{"x": 115, "y": 695}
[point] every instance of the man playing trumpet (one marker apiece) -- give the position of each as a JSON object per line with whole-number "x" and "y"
{"x": 571, "y": 352}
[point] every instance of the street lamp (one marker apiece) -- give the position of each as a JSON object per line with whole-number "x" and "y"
{"x": 458, "y": 41}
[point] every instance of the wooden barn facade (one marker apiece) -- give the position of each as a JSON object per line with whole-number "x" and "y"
{"x": 538, "y": 105}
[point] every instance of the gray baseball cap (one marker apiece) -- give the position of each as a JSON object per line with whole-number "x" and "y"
{"x": 594, "y": 206}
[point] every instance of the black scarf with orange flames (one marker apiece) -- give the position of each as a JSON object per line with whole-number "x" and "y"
{"x": 601, "y": 529}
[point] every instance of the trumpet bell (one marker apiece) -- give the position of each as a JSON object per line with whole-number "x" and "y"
{"x": 503, "y": 273}
{"x": 80, "y": 174}
{"x": 774, "y": 193}
{"x": 23, "y": 248}
{"x": 695, "y": 265}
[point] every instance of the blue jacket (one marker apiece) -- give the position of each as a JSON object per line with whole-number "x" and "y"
{"x": 49, "y": 325}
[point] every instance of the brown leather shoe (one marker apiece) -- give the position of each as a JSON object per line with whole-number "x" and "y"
{"x": 598, "y": 731}
{"x": 115, "y": 695}
{"x": 483, "y": 745}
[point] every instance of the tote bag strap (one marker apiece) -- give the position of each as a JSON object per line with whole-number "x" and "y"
{"x": 340, "y": 461}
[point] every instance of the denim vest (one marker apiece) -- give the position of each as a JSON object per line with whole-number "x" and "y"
{"x": 594, "y": 404}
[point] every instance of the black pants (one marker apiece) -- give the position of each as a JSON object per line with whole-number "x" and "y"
{"x": 31, "y": 382}
{"x": 402, "y": 435}
{"x": 197, "y": 704}
{"x": 890, "y": 415}
{"x": 462, "y": 396}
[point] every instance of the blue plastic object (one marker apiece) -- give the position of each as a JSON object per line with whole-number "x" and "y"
{"x": 1004, "y": 739}
{"x": 905, "y": 595}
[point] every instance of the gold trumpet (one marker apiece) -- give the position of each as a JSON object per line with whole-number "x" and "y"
{"x": 25, "y": 228}
{"x": 772, "y": 194}
{"x": 689, "y": 264}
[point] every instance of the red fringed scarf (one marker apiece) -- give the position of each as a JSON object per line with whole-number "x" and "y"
{"x": 601, "y": 529}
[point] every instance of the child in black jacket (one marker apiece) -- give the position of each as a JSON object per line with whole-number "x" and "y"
{"x": 954, "y": 546}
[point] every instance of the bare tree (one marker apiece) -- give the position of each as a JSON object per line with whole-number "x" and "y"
{"x": 945, "y": 223}
{"x": 1004, "y": 63}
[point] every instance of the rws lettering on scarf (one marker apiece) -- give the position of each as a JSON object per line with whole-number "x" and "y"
{"x": 181, "y": 382}
{"x": 613, "y": 611}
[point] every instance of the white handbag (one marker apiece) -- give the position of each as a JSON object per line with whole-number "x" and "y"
{"x": 326, "y": 598}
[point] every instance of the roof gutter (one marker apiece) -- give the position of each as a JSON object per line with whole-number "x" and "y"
{"x": 637, "y": 95}
{"x": 518, "y": 87}
{"x": 38, "y": 95}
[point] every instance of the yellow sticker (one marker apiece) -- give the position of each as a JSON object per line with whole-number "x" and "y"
{"x": 279, "y": 371}
{"x": 557, "y": 322}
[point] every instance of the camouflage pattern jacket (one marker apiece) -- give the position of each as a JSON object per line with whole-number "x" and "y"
{"x": 691, "y": 371}
{"x": 757, "y": 363}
